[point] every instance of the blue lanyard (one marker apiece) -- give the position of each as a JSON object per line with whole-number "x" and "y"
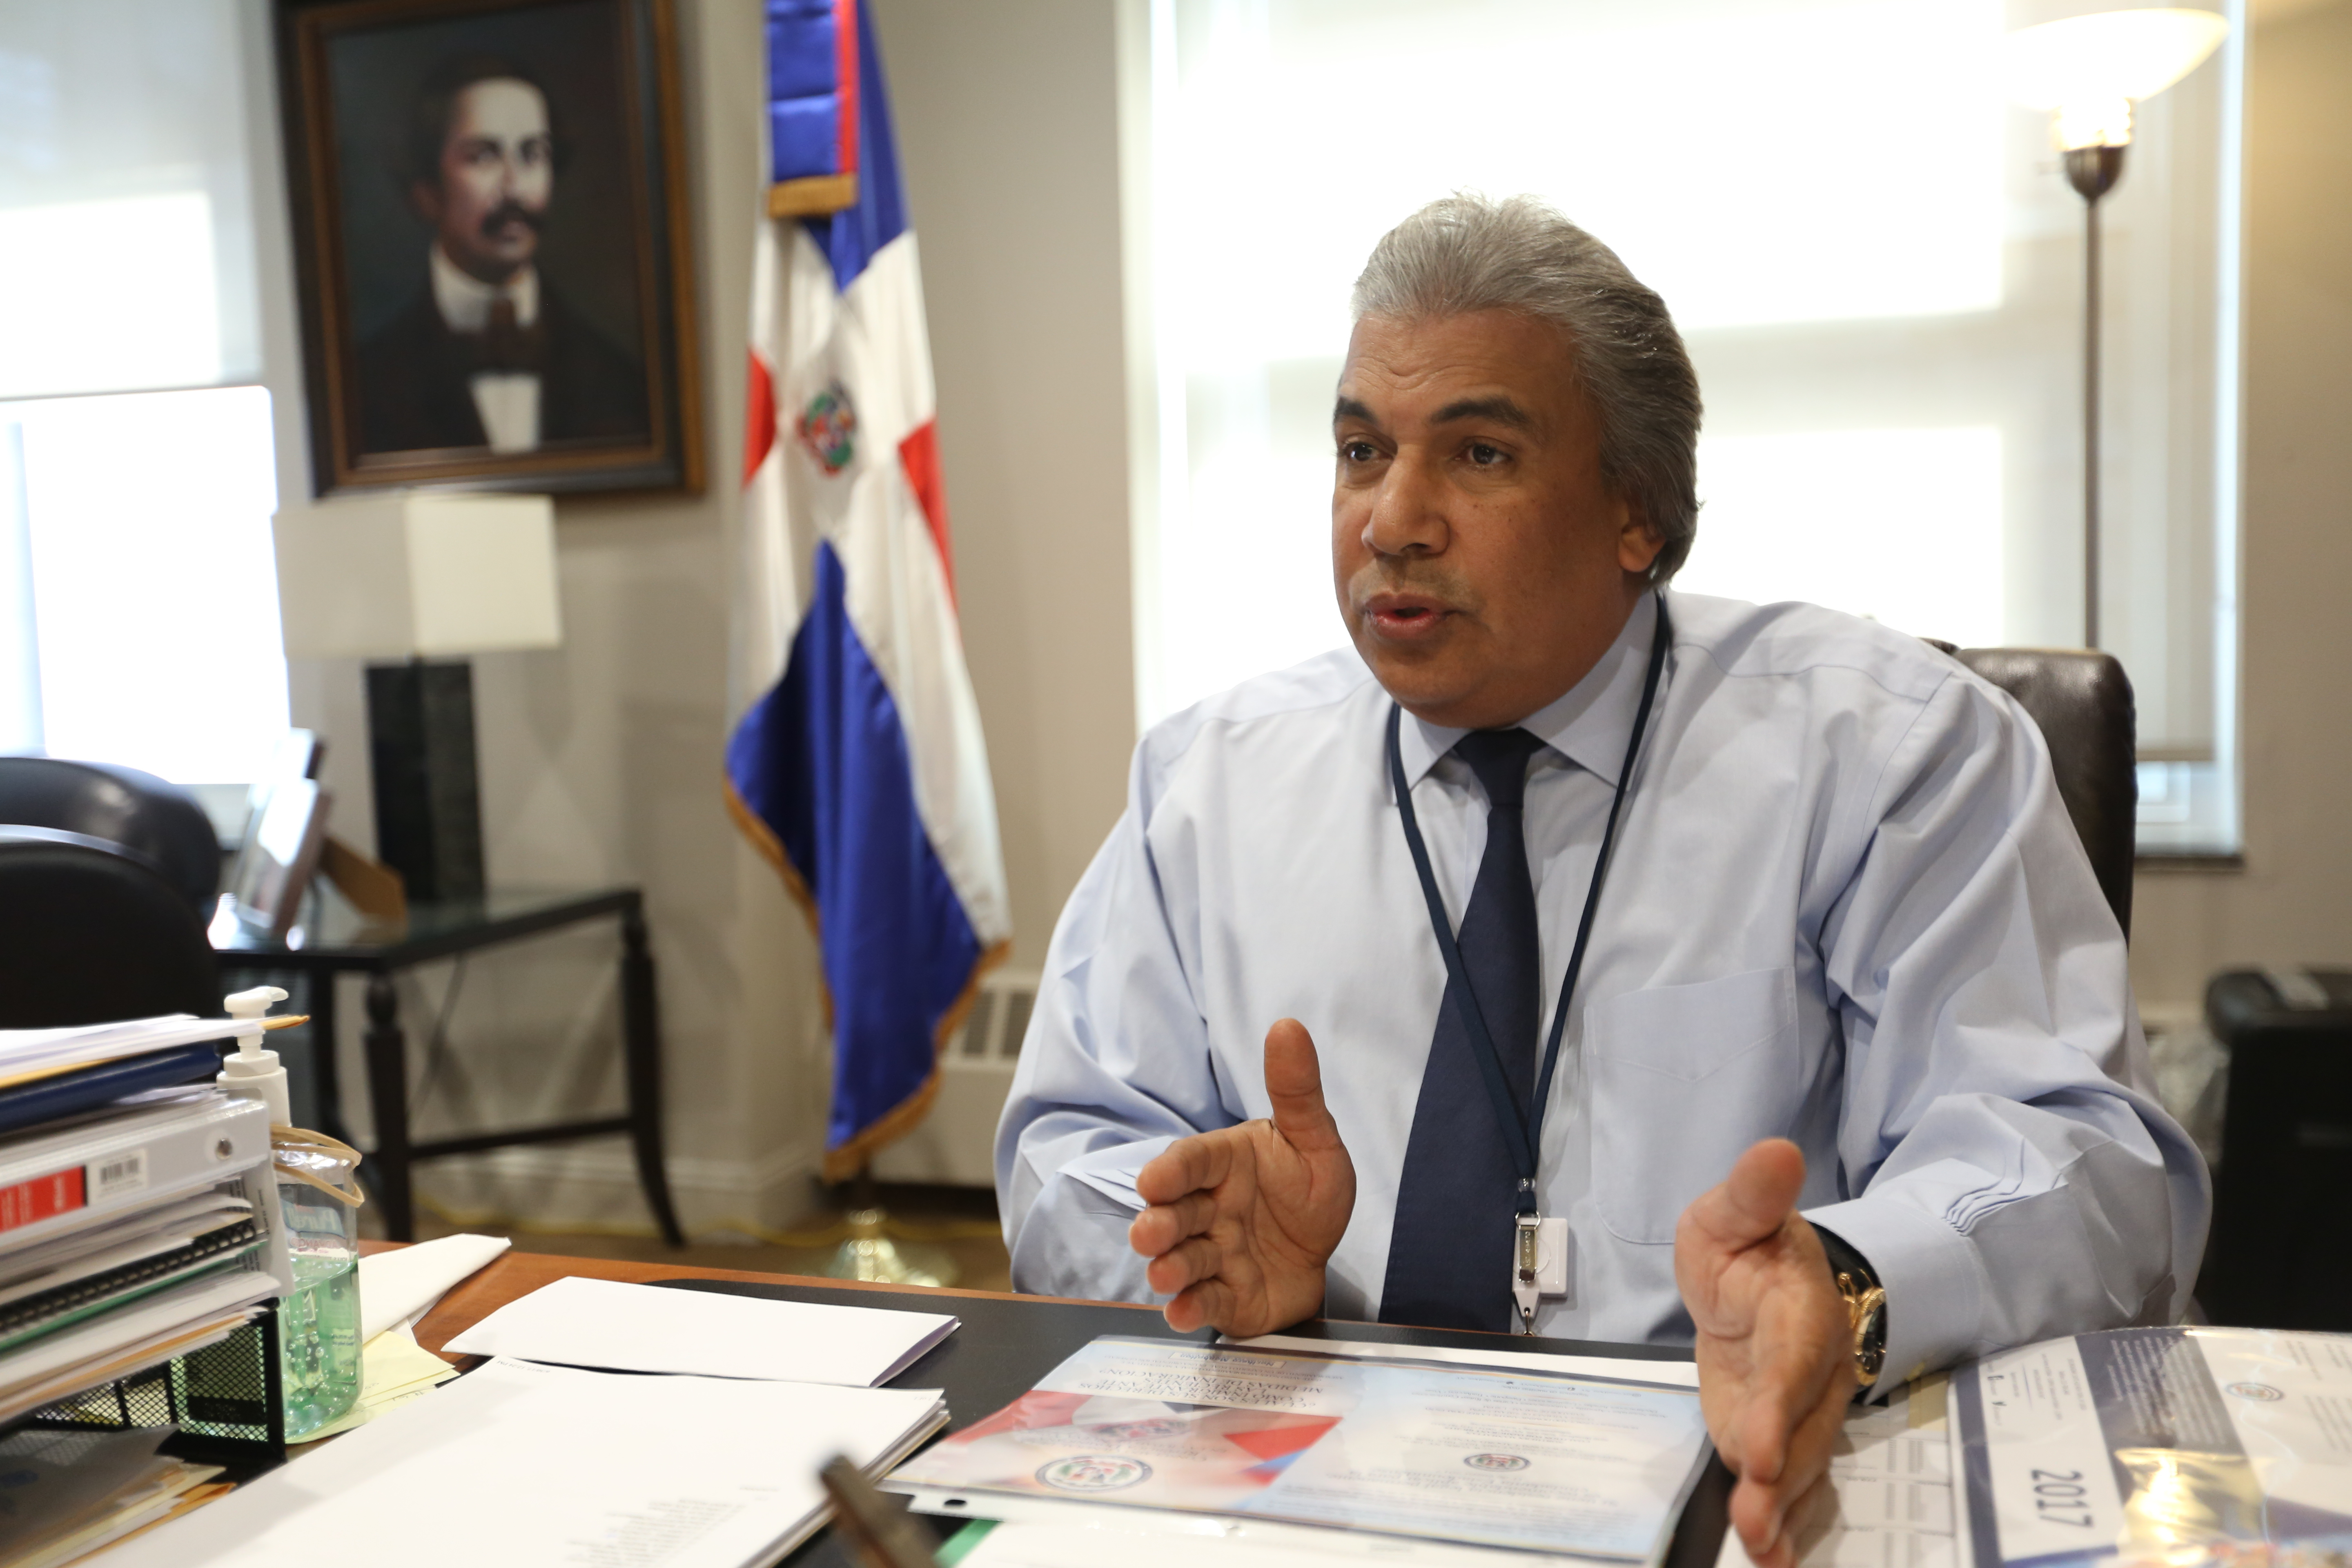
{"x": 1523, "y": 1134}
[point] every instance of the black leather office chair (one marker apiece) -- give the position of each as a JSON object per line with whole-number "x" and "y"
{"x": 155, "y": 821}
{"x": 89, "y": 934}
{"x": 2082, "y": 701}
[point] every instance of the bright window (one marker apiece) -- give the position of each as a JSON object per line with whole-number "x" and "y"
{"x": 154, "y": 589}
{"x": 138, "y": 590}
{"x": 1871, "y": 254}
{"x": 159, "y": 324}
{"x": 1805, "y": 517}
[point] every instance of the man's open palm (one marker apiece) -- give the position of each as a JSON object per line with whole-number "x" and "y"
{"x": 1775, "y": 1353}
{"x": 1243, "y": 1219}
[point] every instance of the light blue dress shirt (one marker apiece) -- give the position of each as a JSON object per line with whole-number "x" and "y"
{"x": 1846, "y": 907}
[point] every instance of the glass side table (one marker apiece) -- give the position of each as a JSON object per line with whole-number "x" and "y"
{"x": 340, "y": 940}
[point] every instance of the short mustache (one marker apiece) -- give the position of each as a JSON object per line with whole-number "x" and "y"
{"x": 1442, "y": 586}
{"x": 507, "y": 212}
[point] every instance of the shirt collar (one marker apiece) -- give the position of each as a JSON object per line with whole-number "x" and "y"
{"x": 464, "y": 299}
{"x": 1588, "y": 724}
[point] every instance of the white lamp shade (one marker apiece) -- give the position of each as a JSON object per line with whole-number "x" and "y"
{"x": 2085, "y": 63}
{"x": 417, "y": 575}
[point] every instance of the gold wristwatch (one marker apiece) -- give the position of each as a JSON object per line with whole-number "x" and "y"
{"x": 1866, "y": 1306}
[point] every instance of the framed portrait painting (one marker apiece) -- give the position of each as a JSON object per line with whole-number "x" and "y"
{"x": 492, "y": 238}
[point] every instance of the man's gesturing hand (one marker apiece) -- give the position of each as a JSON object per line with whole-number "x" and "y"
{"x": 1775, "y": 1351}
{"x": 1243, "y": 1219}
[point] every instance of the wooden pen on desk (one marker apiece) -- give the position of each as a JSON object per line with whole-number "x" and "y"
{"x": 879, "y": 1536}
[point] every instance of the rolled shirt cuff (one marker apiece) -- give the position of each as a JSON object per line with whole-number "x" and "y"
{"x": 1929, "y": 1274}
{"x": 1112, "y": 1171}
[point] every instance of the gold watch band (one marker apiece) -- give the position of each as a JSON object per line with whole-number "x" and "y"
{"x": 1865, "y": 1310}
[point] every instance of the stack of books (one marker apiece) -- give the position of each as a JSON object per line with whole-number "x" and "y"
{"x": 137, "y": 1206}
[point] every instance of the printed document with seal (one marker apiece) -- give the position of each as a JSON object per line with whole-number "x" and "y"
{"x": 1570, "y": 1462}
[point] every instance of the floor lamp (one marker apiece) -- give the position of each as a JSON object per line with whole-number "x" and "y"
{"x": 2087, "y": 72}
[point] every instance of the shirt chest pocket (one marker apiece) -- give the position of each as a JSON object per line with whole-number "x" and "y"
{"x": 1680, "y": 1080}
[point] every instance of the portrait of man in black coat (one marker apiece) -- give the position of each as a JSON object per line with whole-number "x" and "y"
{"x": 487, "y": 353}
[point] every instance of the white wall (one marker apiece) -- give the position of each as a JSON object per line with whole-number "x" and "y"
{"x": 1007, "y": 119}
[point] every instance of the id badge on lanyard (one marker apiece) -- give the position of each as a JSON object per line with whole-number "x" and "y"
{"x": 1539, "y": 1259}
{"x": 1541, "y": 1249}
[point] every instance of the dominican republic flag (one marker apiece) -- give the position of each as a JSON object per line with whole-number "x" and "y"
{"x": 857, "y": 764}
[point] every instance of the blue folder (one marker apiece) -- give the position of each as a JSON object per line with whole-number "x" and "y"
{"x": 67, "y": 1094}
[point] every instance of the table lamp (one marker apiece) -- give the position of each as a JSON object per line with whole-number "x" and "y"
{"x": 407, "y": 581}
{"x": 2088, "y": 72}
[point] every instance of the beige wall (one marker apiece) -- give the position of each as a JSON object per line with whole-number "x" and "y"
{"x": 2293, "y": 900}
{"x": 1008, "y": 119}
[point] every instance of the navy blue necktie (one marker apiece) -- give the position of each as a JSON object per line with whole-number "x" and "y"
{"x": 1450, "y": 1253}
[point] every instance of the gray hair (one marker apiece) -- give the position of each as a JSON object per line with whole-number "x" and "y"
{"x": 1466, "y": 253}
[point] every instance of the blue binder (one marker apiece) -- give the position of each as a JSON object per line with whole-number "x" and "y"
{"x": 91, "y": 1088}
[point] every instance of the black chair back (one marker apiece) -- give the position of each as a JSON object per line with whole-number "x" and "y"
{"x": 2082, "y": 701}
{"x": 89, "y": 935}
{"x": 2281, "y": 1254}
{"x": 155, "y": 820}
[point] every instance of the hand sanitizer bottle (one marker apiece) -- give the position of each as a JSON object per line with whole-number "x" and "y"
{"x": 318, "y": 1206}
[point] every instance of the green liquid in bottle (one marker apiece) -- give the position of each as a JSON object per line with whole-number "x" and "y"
{"x": 319, "y": 1335}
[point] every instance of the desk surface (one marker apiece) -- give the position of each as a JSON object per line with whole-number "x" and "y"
{"x": 1006, "y": 1343}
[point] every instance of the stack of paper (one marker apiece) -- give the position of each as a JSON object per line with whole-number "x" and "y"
{"x": 129, "y": 1235}
{"x": 644, "y": 1328}
{"x": 65, "y": 1494}
{"x": 522, "y": 1465}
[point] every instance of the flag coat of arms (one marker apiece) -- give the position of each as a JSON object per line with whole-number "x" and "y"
{"x": 856, "y": 763}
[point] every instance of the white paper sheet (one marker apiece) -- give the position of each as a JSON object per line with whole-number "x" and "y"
{"x": 1680, "y": 1373}
{"x": 1250, "y": 1544}
{"x": 403, "y": 1283}
{"x": 542, "y": 1467}
{"x": 1891, "y": 1480}
{"x": 644, "y": 1328}
{"x": 31, "y": 1051}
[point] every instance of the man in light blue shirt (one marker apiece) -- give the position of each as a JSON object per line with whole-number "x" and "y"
{"x": 1847, "y": 988}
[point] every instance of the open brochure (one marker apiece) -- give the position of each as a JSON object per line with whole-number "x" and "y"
{"x": 2179, "y": 1447}
{"x": 1567, "y": 1462}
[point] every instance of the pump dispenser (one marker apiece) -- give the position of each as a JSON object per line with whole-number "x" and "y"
{"x": 318, "y": 1212}
{"x": 253, "y": 1073}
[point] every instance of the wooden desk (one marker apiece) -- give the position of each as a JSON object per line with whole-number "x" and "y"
{"x": 516, "y": 1274}
{"x": 1006, "y": 1344}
